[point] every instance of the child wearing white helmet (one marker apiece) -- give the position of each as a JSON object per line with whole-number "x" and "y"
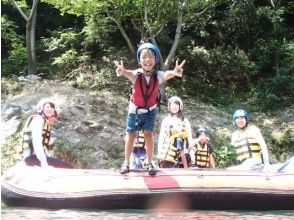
{"x": 175, "y": 136}
{"x": 36, "y": 137}
{"x": 252, "y": 151}
{"x": 143, "y": 99}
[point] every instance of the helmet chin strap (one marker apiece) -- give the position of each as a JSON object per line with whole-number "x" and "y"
{"x": 43, "y": 115}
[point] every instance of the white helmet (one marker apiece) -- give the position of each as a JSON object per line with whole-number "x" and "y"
{"x": 42, "y": 102}
{"x": 175, "y": 99}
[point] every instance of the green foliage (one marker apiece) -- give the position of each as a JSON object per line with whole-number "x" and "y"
{"x": 82, "y": 157}
{"x": 218, "y": 73}
{"x": 9, "y": 152}
{"x": 97, "y": 30}
{"x": 273, "y": 93}
{"x": 68, "y": 60}
{"x": 281, "y": 142}
{"x": 10, "y": 86}
{"x": 61, "y": 41}
{"x": 115, "y": 156}
{"x": 77, "y": 66}
{"x": 224, "y": 153}
{"x": 261, "y": 52}
{"x": 287, "y": 58}
{"x": 78, "y": 7}
{"x": 85, "y": 156}
{"x": 14, "y": 62}
{"x": 237, "y": 45}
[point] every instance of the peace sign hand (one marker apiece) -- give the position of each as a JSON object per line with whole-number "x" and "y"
{"x": 120, "y": 69}
{"x": 178, "y": 71}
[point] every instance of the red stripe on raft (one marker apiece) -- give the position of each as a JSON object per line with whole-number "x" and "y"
{"x": 162, "y": 182}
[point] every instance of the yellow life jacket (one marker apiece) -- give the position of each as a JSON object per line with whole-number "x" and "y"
{"x": 202, "y": 156}
{"x": 140, "y": 140}
{"x": 27, "y": 136}
{"x": 247, "y": 147}
{"x": 168, "y": 151}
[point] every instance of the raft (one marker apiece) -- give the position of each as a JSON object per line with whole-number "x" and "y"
{"x": 193, "y": 188}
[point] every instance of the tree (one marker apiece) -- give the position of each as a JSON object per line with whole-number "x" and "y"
{"x": 30, "y": 34}
{"x": 181, "y": 7}
{"x": 147, "y": 17}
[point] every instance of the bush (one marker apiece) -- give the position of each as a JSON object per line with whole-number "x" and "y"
{"x": 79, "y": 157}
{"x": 281, "y": 142}
{"x": 10, "y": 86}
{"x": 217, "y": 74}
{"x": 273, "y": 93}
{"x": 15, "y": 61}
{"x": 9, "y": 152}
{"x": 115, "y": 156}
{"x": 224, "y": 153}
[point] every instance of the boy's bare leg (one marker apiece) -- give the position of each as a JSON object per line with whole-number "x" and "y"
{"x": 130, "y": 140}
{"x": 149, "y": 143}
{"x": 129, "y": 145}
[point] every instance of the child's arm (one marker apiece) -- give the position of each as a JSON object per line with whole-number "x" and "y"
{"x": 192, "y": 151}
{"x": 36, "y": 127}
{"x": 192, "y": 155}
{"x": 264, "y": 150}
{"x": 189, "y": 133}
{"x": 122, "y": 71}
{"x": 162, "y": 134}
{"x": 211, "y": 161}
{"x": 261, "y": 142}
{"x": 184, "y": 159}
{"x": 178, "y": 71}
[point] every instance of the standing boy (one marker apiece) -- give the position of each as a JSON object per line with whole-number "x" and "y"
{"x": 143, "y": 99}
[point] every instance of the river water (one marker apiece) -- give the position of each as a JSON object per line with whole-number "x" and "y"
{"x": 8, "y": 213}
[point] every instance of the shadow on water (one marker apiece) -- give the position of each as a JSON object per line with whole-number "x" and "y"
{"x": 8, "y": 213}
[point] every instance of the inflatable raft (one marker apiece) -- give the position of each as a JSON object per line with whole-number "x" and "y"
{"x": 170, "y": 189}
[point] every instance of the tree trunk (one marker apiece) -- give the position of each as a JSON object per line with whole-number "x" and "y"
{"x": 33, "y": 36}
{"x": 172, "y": 51}
{"x": 30, "y": 44}
{"x": 122, "y": 31}
{"x": 171, "y": 55}
{"x": 30, "y": 35}
{"x": 127, "y": 39}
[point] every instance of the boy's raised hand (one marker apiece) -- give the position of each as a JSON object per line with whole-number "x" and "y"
{"x": 120, "y": 69}
{"x": 178, "y": 71}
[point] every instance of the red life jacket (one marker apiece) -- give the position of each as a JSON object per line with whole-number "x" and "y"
{"x": 143, "y": 95}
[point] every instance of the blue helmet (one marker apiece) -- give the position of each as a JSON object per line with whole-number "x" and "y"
{"x": 200, "y": 130}
{"x": 150, "y": 47}
{"x": 240, "y": 113}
